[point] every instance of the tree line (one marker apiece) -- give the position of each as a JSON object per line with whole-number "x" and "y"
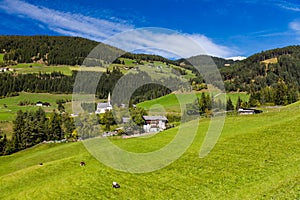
{"x": 33, "y": 127}
{"x": 206, "y": 104}
{"x": 56, "y": 82}
{"x": 52, "y": 50}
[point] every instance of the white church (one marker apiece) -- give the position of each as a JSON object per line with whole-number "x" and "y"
{"x": 103, "y": 107}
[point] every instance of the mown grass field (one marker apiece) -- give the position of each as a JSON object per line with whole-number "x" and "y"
{"x": 1, "y": 57}
{"x": 26, "y": 68}
{"x": 171, "y": 103}
{"x": 9, "y": 106}
{"x": 255, "y": 158}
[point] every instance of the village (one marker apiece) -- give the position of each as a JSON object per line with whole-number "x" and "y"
{"x": 152, "y": 124}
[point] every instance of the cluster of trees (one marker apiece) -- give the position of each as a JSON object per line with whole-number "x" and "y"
{"x": 33, "y": 127}
{"x": 30, "y": 128}
{"x": 206, "y": 104}
{"x": 55, "y": 82}
{"x": 278, "y": 94}
{"x": 148, "y": 58}
{"x": 3, "y": 143}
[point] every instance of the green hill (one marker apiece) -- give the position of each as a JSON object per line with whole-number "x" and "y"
{"x": 171, "y": 103}
{"x": 255, "y": 158}
{"x": 264, "y": 69}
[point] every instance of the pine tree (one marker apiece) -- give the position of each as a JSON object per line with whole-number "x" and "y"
{"x": 54, "y": 127}
{"x": 18, "y": 128}
{"x": 238, "y": 103}
{"x": 281, "y": 93}
{"x": 202, "y": 103}
{"x": 68, "y": 125}
{"x": 229, "y": 105}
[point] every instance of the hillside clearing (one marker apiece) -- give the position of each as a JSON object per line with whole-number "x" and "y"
{"x": 9, "y": 106}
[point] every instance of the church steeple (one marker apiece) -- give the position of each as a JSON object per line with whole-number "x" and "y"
{"x": 108, "y": 99}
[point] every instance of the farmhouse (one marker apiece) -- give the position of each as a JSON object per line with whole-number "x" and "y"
{"x": 103, "y": 107}
{"x": 154, "y": 123}
{"x": 248, "y": 111}
{"x": 39, "y": 103}
{"x": 45, "y": 104}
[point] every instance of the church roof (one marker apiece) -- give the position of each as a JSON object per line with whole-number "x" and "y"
{"x": 103, "y": 105}
{"x": 152, "y": 118}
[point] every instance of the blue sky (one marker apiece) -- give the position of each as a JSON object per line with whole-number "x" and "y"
{"x": 224, "y": 28}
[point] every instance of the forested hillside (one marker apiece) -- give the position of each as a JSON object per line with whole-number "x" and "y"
{"x": 272, "y": 76}
{"x": 50, "y": 50}
{"x": 201, "y": 59}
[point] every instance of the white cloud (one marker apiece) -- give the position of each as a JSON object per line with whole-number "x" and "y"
{"x": 168, "y": 43}
{"x": 165, "y": 43}
{"x": 289, "y": 6}
{"x": 295, "y": 26}
{"x": 296, "y": 9}
{"x": 236, "y": 58}
{"x": 65, "y": 22}
{"x": 212, "y": 48}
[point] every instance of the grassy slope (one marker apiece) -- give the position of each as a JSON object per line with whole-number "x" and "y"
{"x": 171, "y": 104}
{"x": 257, "y": 160}
{"x": 9, "y": 113}
{"x": 36, "y": 68}
{"x": 1, "y": 57}
{"x": 67, "y": 70}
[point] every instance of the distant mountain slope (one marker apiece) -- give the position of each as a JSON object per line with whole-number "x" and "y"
{"x": 51, "y": 50}
{"x": 219, "y": 62}
{"x": 272, "y": 76}
{"x": 264, "y": 69}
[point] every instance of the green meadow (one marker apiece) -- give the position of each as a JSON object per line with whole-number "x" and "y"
{"x": 9, "y": 106}
{"x": 27, "y": 68}
{"x": 1, "y": 57}
{"x": 255, "y": 158}
{"x": 172, "y": 103}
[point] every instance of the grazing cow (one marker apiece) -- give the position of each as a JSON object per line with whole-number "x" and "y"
{"x": 41, "y": 163}
{"x": 116, "y": 185}
{"x": 82, "y": 164}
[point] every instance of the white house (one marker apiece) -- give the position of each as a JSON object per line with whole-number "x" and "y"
{"x": 39, "y": 103}
{"x": 45, "y": 104}
{"x": 103, "y": 107}
{"x": 248, "y": 111}
{"x": 154, "y": 123}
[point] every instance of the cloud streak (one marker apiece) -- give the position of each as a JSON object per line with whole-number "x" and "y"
{"x": 64, "y": 22}
{"x": 169, "y": 43}
{"x": 288, "y": 6}
{"x": 67, "y": 23}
